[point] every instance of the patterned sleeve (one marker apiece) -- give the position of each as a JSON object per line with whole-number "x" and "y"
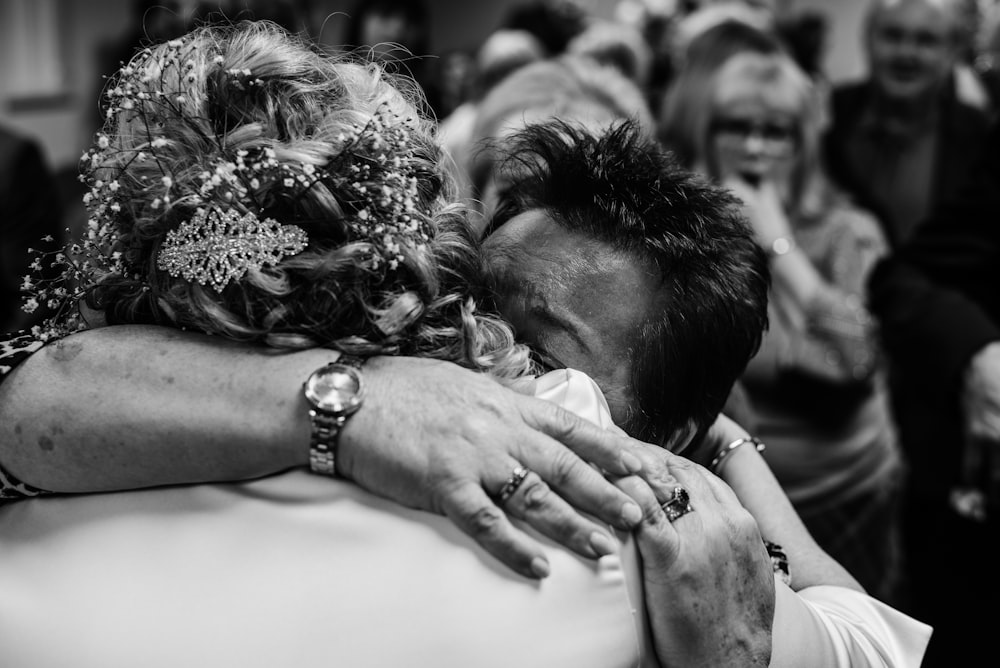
{"x": 14, "y": 349}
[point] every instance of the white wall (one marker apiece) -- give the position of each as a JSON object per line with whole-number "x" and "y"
{"x": 61, "y": 51}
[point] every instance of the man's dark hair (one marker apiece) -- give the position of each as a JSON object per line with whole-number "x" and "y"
{"x": 622, "y": 188}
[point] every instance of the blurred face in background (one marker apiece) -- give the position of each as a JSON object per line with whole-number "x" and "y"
{"x": 754, "y": 129}
{"x": 911, "y": 46}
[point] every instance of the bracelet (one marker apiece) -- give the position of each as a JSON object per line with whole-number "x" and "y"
{"x": 781, "y": 246}
{"x": 779, "y": 562}
{"x": 714, "y": 466}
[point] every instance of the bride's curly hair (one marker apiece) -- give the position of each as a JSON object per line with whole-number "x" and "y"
{"x": 248, "y": 118}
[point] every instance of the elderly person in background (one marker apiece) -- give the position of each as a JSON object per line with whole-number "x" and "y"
{"x": 901, "y": 140}
{"x": 816, "y": 388}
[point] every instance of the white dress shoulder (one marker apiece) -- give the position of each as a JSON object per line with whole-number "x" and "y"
{"x": 298, "y": 570}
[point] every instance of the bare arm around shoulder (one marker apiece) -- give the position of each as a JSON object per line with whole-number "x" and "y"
{"x": 713, "y": 600}
{"x": 747, "y": 473}
{"x": 128, "y": 407}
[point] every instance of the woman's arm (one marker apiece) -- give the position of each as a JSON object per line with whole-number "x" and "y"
{"x": 743, "y": 615}
{"x": 747, "y": 473}
{"x": 130, "y": 407}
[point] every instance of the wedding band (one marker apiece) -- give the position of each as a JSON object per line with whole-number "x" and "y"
{"x": 513, "y": 482}
{"x": 678, "y": 505}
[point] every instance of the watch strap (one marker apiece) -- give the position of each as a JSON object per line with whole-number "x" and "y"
{"x": 323, "y": 442}
{"x": 325, "y": 430}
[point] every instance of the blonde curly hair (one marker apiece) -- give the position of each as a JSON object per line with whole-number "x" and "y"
{"x": 185, "y": 116}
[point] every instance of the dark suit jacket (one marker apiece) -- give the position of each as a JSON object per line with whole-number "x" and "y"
{"x": 938, "y": 300}
{"x": 30, "y": 208}
{"x": 961, "y": 131}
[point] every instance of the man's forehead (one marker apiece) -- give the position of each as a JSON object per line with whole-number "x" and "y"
{"x": 525, "y": 233}
{"x": 937, "y": 14}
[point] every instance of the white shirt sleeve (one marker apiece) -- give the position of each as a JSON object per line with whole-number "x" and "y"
{"x": 828, "y": 626}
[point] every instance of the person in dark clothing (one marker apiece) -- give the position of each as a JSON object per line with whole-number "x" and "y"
{"x": 901, "y": 141}
{"x": 939, "y": 307}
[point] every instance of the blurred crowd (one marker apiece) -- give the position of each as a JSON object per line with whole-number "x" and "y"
{"x": 874, "y": 200}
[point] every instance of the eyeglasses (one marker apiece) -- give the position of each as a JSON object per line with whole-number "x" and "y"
{"x": 775, "y": 134}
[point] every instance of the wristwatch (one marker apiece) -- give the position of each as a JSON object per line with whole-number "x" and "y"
{"x": 334, "y": 392}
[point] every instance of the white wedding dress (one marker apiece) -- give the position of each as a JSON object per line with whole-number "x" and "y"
{"x": 297, "y": 571}
{"x": 301, "y": 571}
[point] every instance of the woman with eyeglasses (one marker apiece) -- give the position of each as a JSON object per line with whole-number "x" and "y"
{"x": 817, "y": 385}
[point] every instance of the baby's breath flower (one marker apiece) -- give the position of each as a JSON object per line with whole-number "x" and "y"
{"x": 374, "y": 178}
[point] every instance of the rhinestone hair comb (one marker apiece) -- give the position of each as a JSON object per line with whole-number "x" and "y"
{"x": 217, "y": 247}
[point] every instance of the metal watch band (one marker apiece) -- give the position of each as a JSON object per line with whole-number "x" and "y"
{"x": 325, "y": 432}
{"x": 323, "y": 442}
{"x": 350, "y": 360}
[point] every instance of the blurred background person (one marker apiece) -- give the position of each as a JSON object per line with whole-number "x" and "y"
{"x": 569, "y": 87}
{"x": 939, "y": 310}
{"x": 554, "y": 23}
{"x": 686, "y": 97}
{"x": 902, "y": 140}
{"x": 616, "y": 45}
{"x": 816, "y": 388}
{"x": 398, "y": 32}
{"x": 504, "y": 51}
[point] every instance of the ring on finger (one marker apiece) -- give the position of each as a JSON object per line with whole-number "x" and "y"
{"x": 513, "y": 482}
{"x": 678, "y": 505}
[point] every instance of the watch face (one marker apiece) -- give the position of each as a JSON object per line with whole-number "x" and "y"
{"x": 335, "y": 388}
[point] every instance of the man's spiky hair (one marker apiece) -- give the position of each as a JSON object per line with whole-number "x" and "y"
{"x": 622, "y": 188}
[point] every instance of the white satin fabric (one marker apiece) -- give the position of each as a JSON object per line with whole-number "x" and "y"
{"x": 298, "y": 570}
{"x": 306, "y": 572}
{"x": 834, "y": 627}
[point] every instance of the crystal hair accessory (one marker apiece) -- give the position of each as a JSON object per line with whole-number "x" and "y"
{"x": 217, "y": 247}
